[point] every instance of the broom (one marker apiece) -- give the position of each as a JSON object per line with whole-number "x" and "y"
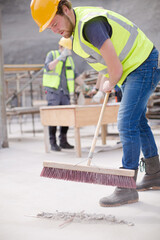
{"x": 90, "y": 174}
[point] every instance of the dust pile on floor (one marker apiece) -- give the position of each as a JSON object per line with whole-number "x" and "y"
{"x": 82, "y": 217}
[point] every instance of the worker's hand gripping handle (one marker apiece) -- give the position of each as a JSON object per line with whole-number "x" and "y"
{"x": 90, "y": 156}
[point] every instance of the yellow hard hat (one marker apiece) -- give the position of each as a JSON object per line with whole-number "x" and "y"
{"x": 65, "y": 42}
{"x": 43, "y": 11}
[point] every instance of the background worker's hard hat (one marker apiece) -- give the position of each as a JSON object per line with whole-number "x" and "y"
{"x": 43, "y": 11}
{"x": 65, "y": 42}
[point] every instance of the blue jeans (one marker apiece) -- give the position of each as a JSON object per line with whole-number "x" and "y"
{"x": 135, "y": 133}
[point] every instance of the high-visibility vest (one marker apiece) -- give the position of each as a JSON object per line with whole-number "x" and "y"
{"x": 52, "y": 78}
{"x": 130, "y": 43}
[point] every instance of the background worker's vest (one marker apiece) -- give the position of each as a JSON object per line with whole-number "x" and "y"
{"x": 130, "y": 43}
{"x": 52, "y": 78}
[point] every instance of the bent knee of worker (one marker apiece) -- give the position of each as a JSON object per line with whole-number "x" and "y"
{"x": 126, "y": 125}
{"x": 127, "y": 120}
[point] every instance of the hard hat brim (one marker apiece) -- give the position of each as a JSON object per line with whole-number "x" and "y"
{"x": 42, "y": 28}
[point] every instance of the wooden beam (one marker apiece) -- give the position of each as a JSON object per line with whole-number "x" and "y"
{"x": 22, "y": 67}
{"x": 3, "y": 120}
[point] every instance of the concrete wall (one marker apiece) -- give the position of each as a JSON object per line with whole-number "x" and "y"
{"x": 23, "y": 43}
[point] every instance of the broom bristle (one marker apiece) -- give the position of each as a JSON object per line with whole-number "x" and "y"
{"x": 89, "y": 177}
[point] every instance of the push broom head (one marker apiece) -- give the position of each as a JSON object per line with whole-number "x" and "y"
{"x": 88, "y": 174}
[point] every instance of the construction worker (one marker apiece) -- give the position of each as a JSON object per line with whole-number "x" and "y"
{"x": 121, "y": 51}
{"x": 59, "y": 80}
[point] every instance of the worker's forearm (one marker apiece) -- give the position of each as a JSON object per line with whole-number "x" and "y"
{"x": 53, "y": 64}
{"x": 103, "y": 80}
{"x": 113, "y": 63}
{"x": 98, "y": 83}
{"x": 111, "y": 83}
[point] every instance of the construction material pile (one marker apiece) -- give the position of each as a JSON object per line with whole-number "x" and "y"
{"x": 153, "y": 111}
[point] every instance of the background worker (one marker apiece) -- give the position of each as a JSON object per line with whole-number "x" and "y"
{"x": 122, "y": 52}
{"x": 59, "y": 81}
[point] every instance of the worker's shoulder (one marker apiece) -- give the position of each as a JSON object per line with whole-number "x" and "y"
{"x": 52, "y": 52}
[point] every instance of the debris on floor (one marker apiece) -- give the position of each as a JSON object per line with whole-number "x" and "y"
{"x": 82, "y": 217}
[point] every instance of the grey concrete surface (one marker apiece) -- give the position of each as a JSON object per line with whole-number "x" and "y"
{"x": 24, "y": 194}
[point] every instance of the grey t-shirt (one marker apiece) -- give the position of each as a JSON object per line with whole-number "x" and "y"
{"x": 101, "y": 27}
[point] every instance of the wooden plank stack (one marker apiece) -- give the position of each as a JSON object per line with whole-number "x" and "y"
{"x": 153, "y": 107}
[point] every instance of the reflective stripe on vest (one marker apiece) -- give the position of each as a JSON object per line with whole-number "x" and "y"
{"x": 70, "y": 74}
{"x": 133, "y": 38}
{"x": 52, "y": 78}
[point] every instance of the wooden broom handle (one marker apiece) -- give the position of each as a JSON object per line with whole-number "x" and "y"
{"x": 90, "y": 156}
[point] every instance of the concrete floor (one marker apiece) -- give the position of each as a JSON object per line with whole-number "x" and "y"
{"x": 24, "y": 194}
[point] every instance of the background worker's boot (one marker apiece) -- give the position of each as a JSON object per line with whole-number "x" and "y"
{"x": 53, "y": 143}
{"x": 55, "y": 147}
{"x": 120, "y": 196}
{"x": 52, "y": 139}
{"x": 63, "y": 142}
{"x": 151, "y": 179}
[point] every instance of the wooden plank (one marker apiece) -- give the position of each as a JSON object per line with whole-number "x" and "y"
{"x": 22, "y": 67}
{"x": 22, "y": 111}
{"x": 60, "y": 107}
{"x": 103, "y": 134}
{"x": 57, "y": 117}
{"x": 77, "y": 142}
{"x": 89, "y": 115}
{"x": 111, "y": 114}
{"x": 3, "y": 120}
{"x": 46, "y": 139}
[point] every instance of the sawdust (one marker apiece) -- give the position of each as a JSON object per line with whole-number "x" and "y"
{"x": 82, "y": 217}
